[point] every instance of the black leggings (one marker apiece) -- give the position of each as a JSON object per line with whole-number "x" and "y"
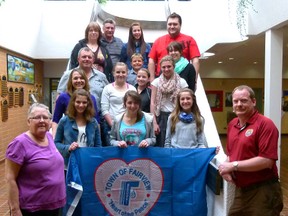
{"x": 162, "y": 123}
{"x": 54, "y": 212}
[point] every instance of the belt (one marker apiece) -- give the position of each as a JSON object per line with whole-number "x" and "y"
{"x": 259, "y": 184}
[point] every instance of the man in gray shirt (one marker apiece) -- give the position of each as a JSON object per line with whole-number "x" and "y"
{"x": 112, "y": 44}
{"x": 97, "y": 79}
{"x": 97, "y": 82}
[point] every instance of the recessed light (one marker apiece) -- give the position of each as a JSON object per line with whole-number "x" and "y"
{"x": 206, "y": 55}
{"x": 231, "y": 58}
{"x": 220, "y": 62}
{"x": 255, "y": 62}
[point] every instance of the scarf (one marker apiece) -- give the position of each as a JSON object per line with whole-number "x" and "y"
{"x": 180, "y": 65}
{"x": 169, "y": 87}
{"x": 186, "y": 117}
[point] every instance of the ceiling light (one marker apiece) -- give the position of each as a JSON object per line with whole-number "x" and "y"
{"x": 206, "y": 55}
{"x": 220, "y": 62}
{"x": 231, "y": 58}
{"x": 255, "y": 62}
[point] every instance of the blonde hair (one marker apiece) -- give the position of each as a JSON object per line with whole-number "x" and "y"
{"x": 121, "y": 64}
{"x": 168, "y": 58}
{"x": 194, "y": 109}
{"x": 137, "y": 55}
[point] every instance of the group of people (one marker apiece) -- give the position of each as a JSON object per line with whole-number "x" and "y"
{"x": 109, "y": 50}
{"x": 133, "y": 95}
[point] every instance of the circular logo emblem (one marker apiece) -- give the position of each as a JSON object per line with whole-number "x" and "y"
{"x": 128, "y": 189}
{"x": 249, "y": 132}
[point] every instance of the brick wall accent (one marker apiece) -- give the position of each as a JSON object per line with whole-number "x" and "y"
{"x": 17, "y": 116}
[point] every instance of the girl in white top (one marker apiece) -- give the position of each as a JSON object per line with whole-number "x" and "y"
{"x": 113, "y": 93}
{"x": 164, "y": 92}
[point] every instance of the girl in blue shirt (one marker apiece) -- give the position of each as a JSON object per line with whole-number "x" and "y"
{"x": 78, "y": 128}
{"x": 133, "y": 127}
{"x": 135, "y": 44}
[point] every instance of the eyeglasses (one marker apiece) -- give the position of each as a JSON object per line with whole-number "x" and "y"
{"x": 39, "y": 118}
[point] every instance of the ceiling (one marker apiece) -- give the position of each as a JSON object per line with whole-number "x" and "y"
{"x": 250, "y": 51}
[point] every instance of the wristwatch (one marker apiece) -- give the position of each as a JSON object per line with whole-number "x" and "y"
{"x": 235, "y": 165}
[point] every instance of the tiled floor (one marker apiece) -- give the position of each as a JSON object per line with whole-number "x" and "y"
{"x": 4, "y": 210}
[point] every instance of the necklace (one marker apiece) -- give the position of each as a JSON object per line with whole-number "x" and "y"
{"x": 92, "y": 47}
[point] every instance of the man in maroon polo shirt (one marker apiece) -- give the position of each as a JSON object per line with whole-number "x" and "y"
{"x": 252, "y": 144}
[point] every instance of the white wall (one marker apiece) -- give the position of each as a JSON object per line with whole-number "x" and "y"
{"x": 49, "y": 29}
{"x": 156, "y": 13}
{"x": 264, "y": 15}
{"x": 19, "y": 25}
{"x": 43, "y": 29}
{"x": 63, "y": 25}
{"x": 208, "y": 21}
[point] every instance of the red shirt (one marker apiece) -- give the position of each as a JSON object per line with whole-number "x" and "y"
{"x": 258, "y": 138}
{"x": 159, "y": 48}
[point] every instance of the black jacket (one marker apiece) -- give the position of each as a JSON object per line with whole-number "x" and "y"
{"x": 108, "y": 67}
{"x": 189, "y": 74}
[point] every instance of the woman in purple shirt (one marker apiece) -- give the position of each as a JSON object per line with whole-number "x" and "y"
{"x": 34, "y": 169}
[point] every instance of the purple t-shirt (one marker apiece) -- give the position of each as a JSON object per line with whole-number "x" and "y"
{"x": 40, "y": 181}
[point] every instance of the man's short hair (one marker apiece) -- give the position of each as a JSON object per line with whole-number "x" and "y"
{"x": 175, "y": 15}
{"x": 86, "y": 49}
{"x": 109, "y": 20}
{"x": 248, "y": 88}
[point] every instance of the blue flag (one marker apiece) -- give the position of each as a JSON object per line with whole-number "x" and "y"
{"x": 137, "y": 181}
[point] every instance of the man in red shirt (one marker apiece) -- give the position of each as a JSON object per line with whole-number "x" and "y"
{"x": 159, "y": 48}
{"x": 252, "y": 144}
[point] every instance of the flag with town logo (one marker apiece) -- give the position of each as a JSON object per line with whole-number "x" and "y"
{"x": 137, "y": 181}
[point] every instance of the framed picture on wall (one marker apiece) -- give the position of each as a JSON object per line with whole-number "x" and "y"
{"x": 228, "y": 99}
{"x": 285, "y": 101}
{"x": 215, "y": 100}
{"x": 20, "y": 70}
{"x": 53, "y": 95}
